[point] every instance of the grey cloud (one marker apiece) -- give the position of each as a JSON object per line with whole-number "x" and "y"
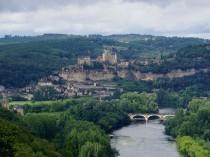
{"x": 160, "y": 3}
{"x": 31, "y": 5}
{"x": 165, "y": 3}
{"x": 160, "y": 17}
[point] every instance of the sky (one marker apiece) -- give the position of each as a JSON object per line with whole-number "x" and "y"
{"x": 187, "y": 18}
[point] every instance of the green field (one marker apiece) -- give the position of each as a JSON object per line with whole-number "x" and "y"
{"x": 30, "y": 102}
{"x": 20, "y": 103}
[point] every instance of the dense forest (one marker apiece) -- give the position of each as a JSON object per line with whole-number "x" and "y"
{"x": 15, "y": 140}
{"x": 192, "y": 129}
{"x": 189, "y": 57}
{"x": 25, "y": 63}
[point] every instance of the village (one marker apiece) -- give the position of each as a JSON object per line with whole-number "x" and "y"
{"x": 94, "y": 82}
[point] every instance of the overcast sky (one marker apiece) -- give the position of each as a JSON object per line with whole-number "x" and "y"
{"x": 156, "y": 17}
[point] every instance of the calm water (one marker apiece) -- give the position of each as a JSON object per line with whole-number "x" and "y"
{"x": 146, "y": 140}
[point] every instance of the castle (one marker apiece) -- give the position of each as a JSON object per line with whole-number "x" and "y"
{"x": 107, "y": 56}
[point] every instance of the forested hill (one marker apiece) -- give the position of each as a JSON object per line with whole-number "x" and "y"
{"x": 24, "y": 60}
{"x": 148, "y": 46}
{"x": 8, "y": 39}
{"x": 190, "y": 57}
{"x": 158, "y": 42}
{"x": 24, "y": 63}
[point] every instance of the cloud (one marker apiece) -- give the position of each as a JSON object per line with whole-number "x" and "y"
{"x": 166, "y": 3}
{"x": 158, "y": 17}
{"x": 160, "y": 3}
{"x": 33, "y": 5}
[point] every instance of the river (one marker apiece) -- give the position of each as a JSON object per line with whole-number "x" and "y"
{"x": 144, "y": 139}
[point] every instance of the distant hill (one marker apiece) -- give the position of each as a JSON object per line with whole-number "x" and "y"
{"x": 136, "y": 46}
{"x": 196, "y": 57}
{"x": 24, "y": 60}
{"x": 8, "y": 39}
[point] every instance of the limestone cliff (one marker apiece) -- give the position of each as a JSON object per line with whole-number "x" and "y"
{"x": 80, "y": 75}
{"x": 97, "y": 75}
{"x": 179, "y": 73}
{"x": 147, "y": 76}
{"x": 83, "y": 75}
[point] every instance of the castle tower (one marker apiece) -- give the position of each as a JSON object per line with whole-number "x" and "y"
{"x": 108, "y": 57}
{"x": 115, "y": 58}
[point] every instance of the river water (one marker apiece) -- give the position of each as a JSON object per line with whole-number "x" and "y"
{"x": 144, "y": 139}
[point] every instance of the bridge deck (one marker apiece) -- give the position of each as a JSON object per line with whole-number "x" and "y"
{"x": 148, "y": 116}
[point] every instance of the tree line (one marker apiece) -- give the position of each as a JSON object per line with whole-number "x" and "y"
{"x": 75, "y": 127}
{"x": 191, "y": 128}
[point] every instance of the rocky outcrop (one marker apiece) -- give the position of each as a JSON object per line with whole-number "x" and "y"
{"x": 73, "y": 75}
{"x": 80, "y": 75}
{"x": 97, "y": 75}
{"x": 83, "y": 75}
{"x": 147, "y": 76}
{"x": 137, "y": 75}
{"x": 179, "y": 73}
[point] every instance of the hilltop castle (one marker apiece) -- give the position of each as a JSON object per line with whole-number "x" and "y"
{"x": 107, "y": 56}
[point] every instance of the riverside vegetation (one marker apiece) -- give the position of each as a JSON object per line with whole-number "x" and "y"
{"x": 73, "y": 127}
{"x": 191, "y": 128}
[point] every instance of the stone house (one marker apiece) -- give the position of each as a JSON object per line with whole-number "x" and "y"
{"x": 28, "y": 96}
{"x": 19, "y": 109}
{"x": 59, "y": 88}
{"x": 69, "y": 92}
{"x": 30, "y": 88}
{"x": 84, "y": 60}
{"x": 45, "y": 83}
{"x": 104, "y": 93}
{"x": 123, "y": 63}
{"x": 2, "y": 88}
{"x": 4, "y": 103}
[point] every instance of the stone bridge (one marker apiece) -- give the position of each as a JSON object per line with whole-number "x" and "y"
{"x": 148, "y": 117}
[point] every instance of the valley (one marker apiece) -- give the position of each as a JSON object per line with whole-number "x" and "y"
{"x": 57, "y": 89}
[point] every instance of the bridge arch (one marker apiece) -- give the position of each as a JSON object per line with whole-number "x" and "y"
{"x": 154, "y": 117}
{"x": 151, "y": 116}
{"x": 139, "y": 117}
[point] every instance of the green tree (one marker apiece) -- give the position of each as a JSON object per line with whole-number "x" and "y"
{"x": 45, "y": 93}
{"x": 142, "y": 103}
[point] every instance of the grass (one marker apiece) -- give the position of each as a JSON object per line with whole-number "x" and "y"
{"x": 30, "y": 102}
{"x": 20, "y": 103}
